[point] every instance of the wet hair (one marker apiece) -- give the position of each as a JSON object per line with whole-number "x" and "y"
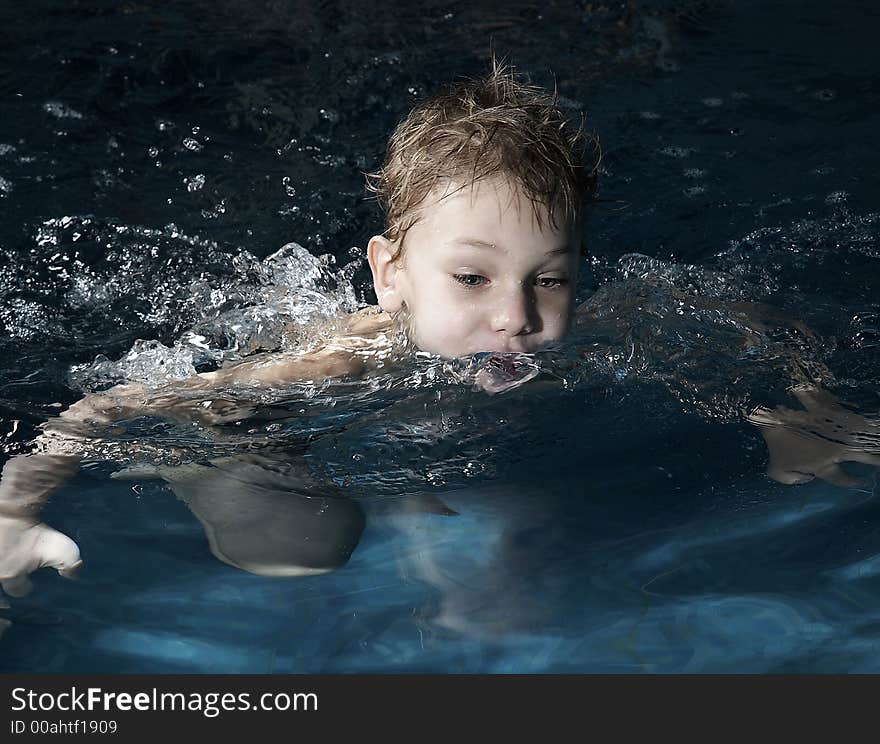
{"x": 489, "y": 127}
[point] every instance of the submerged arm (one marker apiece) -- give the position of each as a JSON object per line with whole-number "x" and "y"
{"x": 27, "y": 481}
{"x": 802, "y": 444}
{"x": 813, "y": 442}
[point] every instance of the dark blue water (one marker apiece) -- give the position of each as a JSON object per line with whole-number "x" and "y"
{"x": 619, "y": 519}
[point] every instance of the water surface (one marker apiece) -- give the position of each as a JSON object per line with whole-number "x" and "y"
{"x": 613, "y": 515}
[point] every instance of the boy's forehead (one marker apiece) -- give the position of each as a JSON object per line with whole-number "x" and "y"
{"x": 493, "y": 217}
{"x": 504, "y": 191}
{"x": 488, "y": 202}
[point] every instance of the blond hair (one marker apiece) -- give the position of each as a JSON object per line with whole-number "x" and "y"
{"x": 495, "y": 126}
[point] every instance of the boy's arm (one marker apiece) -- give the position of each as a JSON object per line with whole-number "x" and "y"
{"x": 815, "y": 441}
{"x": 345, "y": 355}
{"x": 27, "y": 481}
{"x": 313, "y": 366}
{"x": 805, "y": 444}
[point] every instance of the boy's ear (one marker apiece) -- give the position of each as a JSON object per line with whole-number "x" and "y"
{"x": 386, "y": 273}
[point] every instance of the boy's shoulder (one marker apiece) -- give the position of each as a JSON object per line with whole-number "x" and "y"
{"x": 366, "y": 322}
{"x": 345, "y": 354}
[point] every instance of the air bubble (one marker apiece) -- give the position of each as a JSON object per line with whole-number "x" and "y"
{"x": 195, "y": 183}
{"x": 473, "y": 469}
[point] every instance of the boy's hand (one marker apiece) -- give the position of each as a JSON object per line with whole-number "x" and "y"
{"x": 25, "y": 546}
{"x": 814, "y": 442}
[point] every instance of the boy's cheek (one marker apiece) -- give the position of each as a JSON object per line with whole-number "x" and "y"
{"x": 566, "y": 315}
{"x": 444, "y": 333}
{"x": 561, "y": 312}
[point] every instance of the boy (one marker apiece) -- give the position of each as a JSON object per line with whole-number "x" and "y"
{"x": 484, "y": 189}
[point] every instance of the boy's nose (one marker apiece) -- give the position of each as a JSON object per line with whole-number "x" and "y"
{"x": 514, "y": 314}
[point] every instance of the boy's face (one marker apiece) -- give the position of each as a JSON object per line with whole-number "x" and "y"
{"x": 479, "y": 274}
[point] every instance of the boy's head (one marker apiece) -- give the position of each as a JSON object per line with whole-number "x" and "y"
{"x": 484, "y": 188}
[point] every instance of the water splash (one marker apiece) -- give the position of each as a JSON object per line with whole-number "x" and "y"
{"x": 244, "y": 307}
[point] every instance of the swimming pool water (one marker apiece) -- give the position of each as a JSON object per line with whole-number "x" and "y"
{"x": 623, "y": 522}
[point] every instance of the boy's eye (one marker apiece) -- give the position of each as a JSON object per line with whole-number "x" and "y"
{"x": 469, "y": 280}
{"x": 551, "y": 282}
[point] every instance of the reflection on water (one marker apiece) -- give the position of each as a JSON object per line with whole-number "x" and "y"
{"x": 609, "y": 515}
